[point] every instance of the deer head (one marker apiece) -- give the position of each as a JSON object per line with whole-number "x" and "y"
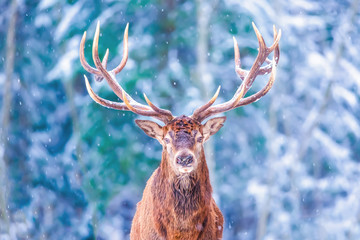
{"x": 182, "y": 140}
{"x": 182, "y": 137}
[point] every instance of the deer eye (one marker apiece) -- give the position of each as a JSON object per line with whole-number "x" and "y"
{"x": 167, "y": 141}
{"x": 199, "y": 139}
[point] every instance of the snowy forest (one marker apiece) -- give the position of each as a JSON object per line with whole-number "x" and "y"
{"x": 284, "y": 167}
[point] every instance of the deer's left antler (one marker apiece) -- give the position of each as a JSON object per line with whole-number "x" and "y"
{"x": 248, "y": 78}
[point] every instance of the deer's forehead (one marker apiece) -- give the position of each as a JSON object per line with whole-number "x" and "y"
{"x": 183, "y": 130}
{"x": 183, "y": 125}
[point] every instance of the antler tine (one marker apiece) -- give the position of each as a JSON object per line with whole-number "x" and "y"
{"x": 240, "y": 72}
{"x": 125, "y": 52}
{"x": 104, "y": 63}
{"x": 128, "y": 104}
{"x": 157, "y": 109}
{"x": 261, "y": 41}
{"x": 105, "y": 59}
{"x": 102, "y": 101}
{"x": 208, "y": 104}
{"x": 154, "y": 114}
{"x": 83, "y": 61}
{"x": 248, "y": 77}
{"x": 277, "y": 37}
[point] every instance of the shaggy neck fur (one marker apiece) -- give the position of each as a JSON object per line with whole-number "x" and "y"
{"x": 187, "y": 193}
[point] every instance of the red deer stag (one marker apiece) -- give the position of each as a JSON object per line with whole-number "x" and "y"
{"x": 177, "y": 201}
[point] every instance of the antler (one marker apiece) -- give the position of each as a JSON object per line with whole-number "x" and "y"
{"x": 248, "y": 78}
{"x": 100, "y": 72}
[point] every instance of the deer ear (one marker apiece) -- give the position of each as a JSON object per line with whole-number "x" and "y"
{"x": 212, "y": 126}
{"x": 152, "y": 129}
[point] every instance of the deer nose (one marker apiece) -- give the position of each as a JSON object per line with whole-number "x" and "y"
{"x": 184, "y": 160}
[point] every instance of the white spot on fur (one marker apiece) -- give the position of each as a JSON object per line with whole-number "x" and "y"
{"x": 199, "y": 227}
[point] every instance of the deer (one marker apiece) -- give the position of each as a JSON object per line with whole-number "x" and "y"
{"x": 177, "y": 201}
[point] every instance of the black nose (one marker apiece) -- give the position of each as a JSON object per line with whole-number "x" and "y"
{"x": 184, "y": 160}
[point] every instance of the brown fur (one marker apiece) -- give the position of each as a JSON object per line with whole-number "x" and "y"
{"x": 178, "y": 206}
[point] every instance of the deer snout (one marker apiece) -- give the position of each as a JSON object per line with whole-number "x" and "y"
{"x": 184, "y": 160}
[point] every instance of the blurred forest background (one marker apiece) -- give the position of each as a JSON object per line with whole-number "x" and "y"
{"x": 285, "y": 167}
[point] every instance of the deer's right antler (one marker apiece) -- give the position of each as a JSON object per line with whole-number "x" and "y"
{"x": 100, "y": 72}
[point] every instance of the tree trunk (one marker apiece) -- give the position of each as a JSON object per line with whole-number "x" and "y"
{"x": 203, "y": 77}
{"x": 6, "y": 109}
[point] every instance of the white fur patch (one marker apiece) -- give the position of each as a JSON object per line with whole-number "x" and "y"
{"x": 186, "y": 169}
